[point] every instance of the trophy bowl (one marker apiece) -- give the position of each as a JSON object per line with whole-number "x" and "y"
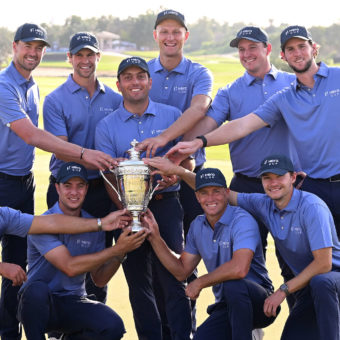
{"x": 134, "y": 185}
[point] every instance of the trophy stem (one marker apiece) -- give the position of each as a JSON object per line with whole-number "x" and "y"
{"x": 136, "y": 225}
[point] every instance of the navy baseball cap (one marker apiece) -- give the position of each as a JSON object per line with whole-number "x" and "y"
{"x": 294, "y": 32}
{"x": 133, "y": 61}
{"x": 209, "y": 177}
{"x": 82, "y": 40}
{"x": 70, "y": 170}
{"x": 252, "y": 33}
{"x": 31, "y": 32}
{"x": 276, "y": 164}
{"x": 170, "y": 14}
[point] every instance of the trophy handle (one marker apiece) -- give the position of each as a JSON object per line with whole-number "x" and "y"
{"x": 153, "y": 191}
{"x": 110, "y": 184}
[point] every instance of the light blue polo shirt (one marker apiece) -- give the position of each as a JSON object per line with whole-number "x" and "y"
{"x": 19, "y": 98}
{"x": 14, "y": 222}
{"x": 303, "y": 226}
{"x": 178, "y": 86}
{"x": 115, "y": 133}
{"x": 39, "y": 269}
{"x": 239, "y": 98}
{"x": 312, "y": 116}
{"x": 70, "y": 111}
{"x": 235, "y": 230}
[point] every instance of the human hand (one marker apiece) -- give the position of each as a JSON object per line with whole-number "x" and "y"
{"x": 116, "y": 220}
{"x": 129, "y": 241}
{"x": 96, "y": 159}
{"x": 271, "y": 304}
{"x": 149, "y": 222}
{"x": 183, "y": 150}
{"x": 150, "y": 145}
{"x": 193, "y": 289}
{"x": 13, "y": 272}
{"x": 163, "y": 166}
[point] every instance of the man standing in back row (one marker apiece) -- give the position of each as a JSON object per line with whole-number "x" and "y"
{"x": 19, "y": 112}
{"x": 71, "y": 112}
{"x": 182, "y": 83}
{"x": 310, "y": 108}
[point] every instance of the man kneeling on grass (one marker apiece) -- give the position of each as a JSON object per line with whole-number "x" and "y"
{"x": 228, "y": 241}
{"x": 53, "y": 298}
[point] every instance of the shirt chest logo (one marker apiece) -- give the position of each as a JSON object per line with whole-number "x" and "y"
{"x": 83, "y": 243}
{"x": 296, "y": 230}
{"x": 224, "y": 244}
{"x": 181, "y": 89}
{"x": 332, "y": 93}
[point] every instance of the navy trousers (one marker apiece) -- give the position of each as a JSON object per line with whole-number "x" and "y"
{"x": 17, "y": 193}
{"x": 98, "y": 204}
{"x": 141, "y": 266}
{"x": 316, "y": 313}
{"x": 77, "y": 317}
{"x": 240, "y": 312}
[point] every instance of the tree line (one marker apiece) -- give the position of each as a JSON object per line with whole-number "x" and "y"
{"x": 207, "y": 36}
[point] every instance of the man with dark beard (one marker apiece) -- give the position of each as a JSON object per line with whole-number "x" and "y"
{"x": 310, "y": 109}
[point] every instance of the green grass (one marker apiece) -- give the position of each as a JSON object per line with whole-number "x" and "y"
{"x": 224, "y": 70}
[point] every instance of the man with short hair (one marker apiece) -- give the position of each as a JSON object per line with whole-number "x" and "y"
{"x": 71, "y": 112}
{"x": 138, "y": 117}
{"x": 309, "y": 108}
{"x": 228, "y": 241}
{"x": 19, "y": 110}
{"x": 54, "y": 298}
{"x": 187, "y": 85}
{"x": 304, "y": 232}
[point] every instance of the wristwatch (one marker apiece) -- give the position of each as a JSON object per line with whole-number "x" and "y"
{"x": 284, "y": 288}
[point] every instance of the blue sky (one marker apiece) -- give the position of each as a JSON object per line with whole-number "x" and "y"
{"x": 257, "y": 12}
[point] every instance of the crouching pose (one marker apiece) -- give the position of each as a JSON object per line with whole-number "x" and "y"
{"x": 53, "y": 298}
{"x": 228, "y": 241}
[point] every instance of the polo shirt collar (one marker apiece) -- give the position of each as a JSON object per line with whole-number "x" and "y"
{"x": 74, "y": 87}
{"x": 126, "y": 115}
{"x": 249, "y": 79}
{"x": 293, "y": 203}
{"x": 323, "y": 72}
{"x": 226, "y": 219}
{"x": 17, "y": 76}
{"x": 180, "y": 68}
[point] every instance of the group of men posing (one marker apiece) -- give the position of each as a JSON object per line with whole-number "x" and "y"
{"x": 163, "y": 101}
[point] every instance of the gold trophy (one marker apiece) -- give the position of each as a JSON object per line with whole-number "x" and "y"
{"x": 134, "y": 185}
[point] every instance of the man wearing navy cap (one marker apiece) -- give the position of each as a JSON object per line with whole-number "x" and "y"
{"x": 54, "y": 298}
{"x": 182, "y": 83}
{"x": 304, "y": 232}
{"x": 138, "y": 117}
{"x": 19, "y": 110}
{"x": 309, "y": 107}
{"x": 228, "y": 241}
{"x": 71, "y": 112}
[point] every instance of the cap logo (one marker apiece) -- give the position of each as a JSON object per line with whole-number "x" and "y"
{"x": 133, "y": 61}
{"x": 37, "y": 31}
{"x": 292, "y": 31}
{"x": 246, "y": 32}
{"x": 84, "y": 37}
{"x": 208, "y": 175}
{"x": 271, "y": 162}
{"x": 73, "y": 168}
{"x": 170, "y": 12}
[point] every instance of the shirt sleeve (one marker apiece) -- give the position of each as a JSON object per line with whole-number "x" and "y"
{"x": 269, "y": 112}
{"x": 12, "y": 105}
{"x": 54, "y": 121}
{"x": 45, "y": 242}
{"x": 104, "y": 140}
{"x": 14, "y": 222}
{"x": 245, "y": 233}
{"x": 318, "y": 221}
{"x": 203, "y": 82}
{"x": 219, "y": 109}
{"x": 190, "y": 244}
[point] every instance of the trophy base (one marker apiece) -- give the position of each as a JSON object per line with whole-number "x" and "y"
{"x": 136, "y": 227}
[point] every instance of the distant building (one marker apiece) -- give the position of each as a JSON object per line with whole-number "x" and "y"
{"x": 107, "y": 40}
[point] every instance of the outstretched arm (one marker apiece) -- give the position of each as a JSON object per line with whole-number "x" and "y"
{"x": 193, "y": 114}
{"x": 63, "y": 224}
{"x": 226, "y": 133}
{"x": 44, "y": 140}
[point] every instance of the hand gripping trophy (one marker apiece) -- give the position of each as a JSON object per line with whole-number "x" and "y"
{"x": 134, "y": 185}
